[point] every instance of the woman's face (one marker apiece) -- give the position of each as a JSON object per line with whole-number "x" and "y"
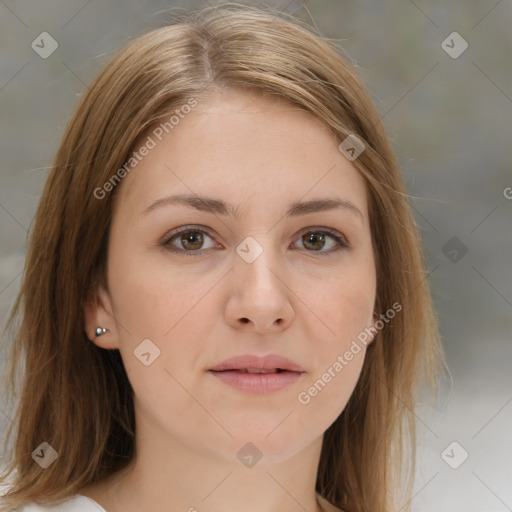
{"x": 245, "y": 278}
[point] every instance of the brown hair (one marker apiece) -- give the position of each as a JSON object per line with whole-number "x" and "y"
{"x": 75, "y": 395}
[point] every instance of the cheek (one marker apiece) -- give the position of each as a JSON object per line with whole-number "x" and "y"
{"x": 343, "y": 311}
{"x": 325, "y": 396}
{"x": 342, "y": 306}
{"x": 155, "y": 300}
{"x": 161, "y": 306}
{"x": 172, "y": 309}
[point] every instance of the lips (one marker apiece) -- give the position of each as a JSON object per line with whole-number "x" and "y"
{"x": 258, "y": 375}
{"x": 271, "y": 363}
{"x": 256, "y": 370}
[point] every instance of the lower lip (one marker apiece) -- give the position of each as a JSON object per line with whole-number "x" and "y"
{"x": 259, "y": 383}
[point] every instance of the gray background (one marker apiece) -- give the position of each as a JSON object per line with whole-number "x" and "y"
{"x": 450, "y": 120}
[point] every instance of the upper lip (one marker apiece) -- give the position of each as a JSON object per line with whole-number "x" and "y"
{"x": 268, "y": 362}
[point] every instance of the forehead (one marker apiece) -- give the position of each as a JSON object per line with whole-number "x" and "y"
{"x": 240, "y": 146}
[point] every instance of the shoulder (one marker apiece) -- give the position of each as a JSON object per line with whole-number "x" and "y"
{"x": 75, "y": 503}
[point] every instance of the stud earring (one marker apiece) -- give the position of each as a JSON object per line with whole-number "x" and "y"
{"x": 100, "y": 331}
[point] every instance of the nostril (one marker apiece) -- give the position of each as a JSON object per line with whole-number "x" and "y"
{"x": 245, "y": 320}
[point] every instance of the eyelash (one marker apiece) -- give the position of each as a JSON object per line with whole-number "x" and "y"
{"x": 342, "y": 244}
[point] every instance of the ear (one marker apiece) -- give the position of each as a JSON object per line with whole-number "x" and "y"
{"x": 98, "y": 313}
{"x": 372, "y": 329}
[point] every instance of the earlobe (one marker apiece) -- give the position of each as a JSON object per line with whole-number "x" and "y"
{"x": 100, "y": 325}
{"x": 372, "y": 329}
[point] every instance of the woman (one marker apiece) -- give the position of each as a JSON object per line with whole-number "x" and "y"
{"x": 224, "y": 303}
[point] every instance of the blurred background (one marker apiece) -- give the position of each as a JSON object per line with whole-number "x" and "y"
{"x": 440, "y": 74}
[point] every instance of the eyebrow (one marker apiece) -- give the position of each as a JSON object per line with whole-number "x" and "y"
{"x": 219, "y": 207}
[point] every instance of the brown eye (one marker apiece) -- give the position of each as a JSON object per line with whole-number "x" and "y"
{"x": 313, "y": 241}
{"x": 192, "y": 240}
{"x": 188, "y": 241}
{"x": 317, "y": 240}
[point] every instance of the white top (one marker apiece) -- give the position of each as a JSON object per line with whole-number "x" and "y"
{"x": 77, "y": 503}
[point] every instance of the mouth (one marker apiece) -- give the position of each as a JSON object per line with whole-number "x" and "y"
{"x": 257, "y": 375}
{"x": 252, "y": 370}
{"x": 254, "y": 364}
{"x": 260, "y": 382}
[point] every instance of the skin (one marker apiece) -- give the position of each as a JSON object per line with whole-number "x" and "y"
{"x": 259, "y": 154}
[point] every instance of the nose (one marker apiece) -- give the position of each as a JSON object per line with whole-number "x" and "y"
{"x": 261, "y": 299}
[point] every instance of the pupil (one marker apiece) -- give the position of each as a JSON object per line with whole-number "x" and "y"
{"x": 188, "y": 239}
{"x": 313, "y": 237}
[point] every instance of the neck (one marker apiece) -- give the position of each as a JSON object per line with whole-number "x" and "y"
{"x": 167, "y": 475}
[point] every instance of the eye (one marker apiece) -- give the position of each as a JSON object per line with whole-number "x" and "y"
{"x": 189, "y": 238}
{"x": 315, "y": 240}
{"x": 189, "y": 241}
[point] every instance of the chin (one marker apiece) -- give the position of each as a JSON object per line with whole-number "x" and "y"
{"x": 267, "y": 448}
